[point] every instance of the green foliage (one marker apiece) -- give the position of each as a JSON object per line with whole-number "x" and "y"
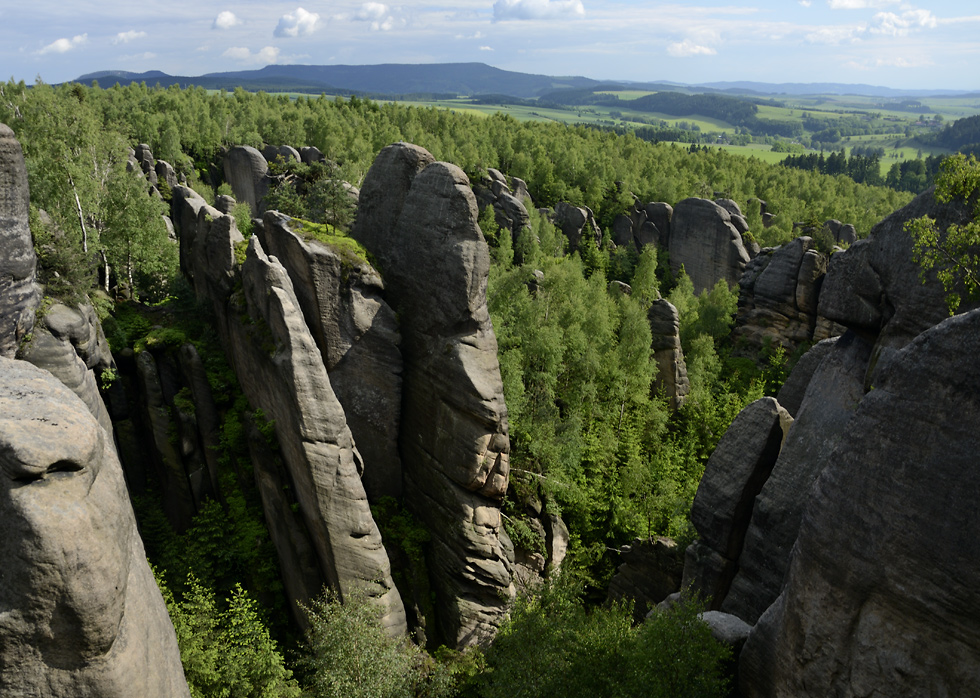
{"x": 242, "y": 213}
{"x": 953, "y": 253}
{"x": 554, "y": 646}
{"x": 225, "y": 649}
{"x": 352, "y": 253}
{"x": 349, "y": 654}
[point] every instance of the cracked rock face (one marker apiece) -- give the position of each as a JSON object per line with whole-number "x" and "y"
{"x": 418, "y": 218}
{"x": 19, "y": 294}
{"x": 80, "y": 613}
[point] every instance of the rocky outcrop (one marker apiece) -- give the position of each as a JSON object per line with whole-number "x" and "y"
{"x": 671, "y": 379}
{"x": 733, "y": 477}
{"x": 883, "y": 592}
{"x": 576, "y": 222}
{"x": 419, "y": 219}
{"x": 649, "y": 571}
{"x": 507, "y": 197}
{"x": 19, "y": 293}
{"x": 246, "y": 171}
{"x": 281, "y": 153}
{"x": 705, "y": 242}
{"x": 80, "y": 612}
{"x": 778, "y": 298}
{"x": 342, "y": 299}
{"x": 282, "y": 372}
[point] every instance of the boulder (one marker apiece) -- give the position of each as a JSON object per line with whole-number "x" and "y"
{"x": 659, "y": 214}
{"x": 704, "y": 241}
{"x": 342, "y": 299}
{"x": 576, "y": 222}
{"x": 287, "y": 153}
{"x": 847, "y": 235}
{"x": 310, "y": 154}
{"x": 650, "y": 570}
{"x": 622, "y": 230}
{"x": 165, "y": 173}
{"x": 80, "y": 613}
{"x": 510, "y": 212}
{"x": 883, "y": 589}
{"x": 246, "y": 171}
{"x": 419, "y": 219}
{"x": 19, "y": 292}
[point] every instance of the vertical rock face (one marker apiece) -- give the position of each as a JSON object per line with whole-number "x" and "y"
{"x": 575, "y": 223}
{"x": 883, "y": 594}
{"x": 357, "y": 333}
{"x": 19, "y": 294}
{"x": 282, "y": 372}
{"x": 735, "y": 473}
{"x": 704, "y": 241}
{"x": 454, "y": 443}
{"x": 833, "y": 393}
{"x": 80, "y": 613}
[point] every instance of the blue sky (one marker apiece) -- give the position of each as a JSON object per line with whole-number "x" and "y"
{"x": 881, "y": 42}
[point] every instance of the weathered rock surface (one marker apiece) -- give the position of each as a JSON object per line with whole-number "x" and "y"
{"x": 835, "y": 389}
{"x": 650, "y": 570}
{"x": 659, "y": 214}
{"x": 19, "y": 293}
{"x": 246, "y": 171}
{"x": 80, "y": 612}
{"x": 778, "y": 298}
{"x": 419, "y": 219}
{"x": 671, "y": 378}
{"x": 341, "y": 296}
{"x": 281, "y": 371}
{"x": 883, "y": 592}
{"x": 734, "y": 475}
{"x": 575, "y": 223}
{"x": 791, "y": 393}
{"x": 704, "y": 241}
{"x": 287, "y": 153}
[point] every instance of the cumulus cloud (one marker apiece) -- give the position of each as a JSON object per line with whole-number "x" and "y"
{"x": 486, "y": 48}
{"x": 537, "y": 9}
{"x": 891, "y": 24}
{"x": 64, "y": 45}
{"x": 860, "y": 4}
{"x": 837, "y": 34}
{"x": 126, "y": 37}
{"x": 297, "y": 23}
{"x": 377, "y": 14}
{"x": 266, "y": 56}
{"x": 687, "y": 48}
{"x": 225, "y": 20}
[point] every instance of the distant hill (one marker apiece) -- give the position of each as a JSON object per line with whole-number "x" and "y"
{"x": 464, "y": 79}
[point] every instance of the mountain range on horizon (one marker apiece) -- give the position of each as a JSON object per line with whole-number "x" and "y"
{"x": 468, "y": 79}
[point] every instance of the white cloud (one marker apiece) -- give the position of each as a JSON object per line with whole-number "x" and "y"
{"x": 860, "y": 4}
{"x": 537, "y": 9}
{"x": 890, "y": 24}
{"x": 226, "y": 20}
{"x": 297, "y": 23}
{"x": 377, "y": 14}
{"x": 687, "y": 48}
{"x": 805, "y": 3}
{"x": 837, "y": 34}
{"x": 266, "y": 56}
{"x": 126, "y": 37}
{"x": 486, "y": 48}
{"x": 64, "y": 45}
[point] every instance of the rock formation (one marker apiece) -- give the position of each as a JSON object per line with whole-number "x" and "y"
{"x": 883, "y": 592}
{"x": 80, "y": 612}
{"x": 671, "y": 378}
{"x": 705, "y": 242}
{"x": 649, "y": 571}
{"x": 341, "y": 296}
{"x": 19, "y": 293}
{"x": 282, "y": 372}
{"x": 576, "y": 222}
{"x": 508, "y": 199}
{"x": 246, "y": 171}
{"x": 418, "y": 218}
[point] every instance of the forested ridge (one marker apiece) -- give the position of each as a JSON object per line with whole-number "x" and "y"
{"x": 590, "y": 438}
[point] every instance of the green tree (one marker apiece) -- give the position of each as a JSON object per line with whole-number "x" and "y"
{"x": 954, "y": 254}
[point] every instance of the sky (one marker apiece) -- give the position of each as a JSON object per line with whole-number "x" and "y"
{"x": 890, "y": 43}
